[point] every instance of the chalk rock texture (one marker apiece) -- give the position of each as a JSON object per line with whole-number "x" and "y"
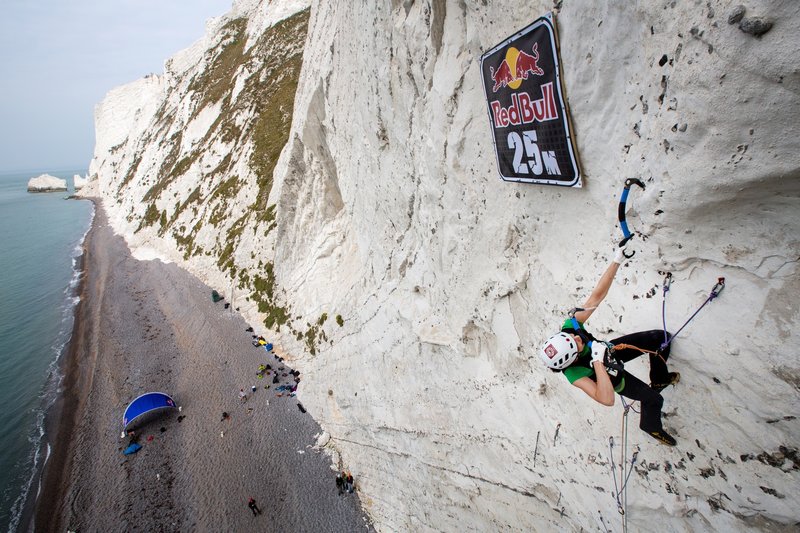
{"x": 333, "y": 168}
{"x": 46, "y": 183}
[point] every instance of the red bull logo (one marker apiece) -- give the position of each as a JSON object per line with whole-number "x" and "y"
{"x": 516, "y": 66}
{"x": 524, "y": 109}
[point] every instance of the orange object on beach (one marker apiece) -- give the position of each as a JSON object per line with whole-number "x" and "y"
{"x": 280, "y": 394}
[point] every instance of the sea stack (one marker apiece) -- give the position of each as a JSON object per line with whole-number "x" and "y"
{"x": 79, "y": 181}
{"x": 46, "y": 183}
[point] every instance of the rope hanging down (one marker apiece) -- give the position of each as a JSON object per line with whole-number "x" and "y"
{"x": 620, "y": 492}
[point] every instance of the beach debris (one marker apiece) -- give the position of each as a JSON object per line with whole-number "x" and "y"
{"x": 180, "y": 418}
{"x": 163, "y": 429}
{"x": 132, "y": 448}
{"x": 300, "y": 406}
{"x": 221, "y": 434}
{"x": 215, "y": 296}
{"x": 249, "y": 329}
{"x": 301, "y": 451}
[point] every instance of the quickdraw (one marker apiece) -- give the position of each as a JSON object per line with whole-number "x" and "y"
{"x": 626, "y": 467}
{"x": 623, "y": 224}
{"x": 715, "y": 291}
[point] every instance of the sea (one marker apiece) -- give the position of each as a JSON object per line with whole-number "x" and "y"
{"x": 41, "y": 237}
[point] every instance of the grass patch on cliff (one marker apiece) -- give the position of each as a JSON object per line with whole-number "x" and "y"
{"x": 216, "y": 82}
{"x": 264, "y": 295}
{"x": 274, "y": 114}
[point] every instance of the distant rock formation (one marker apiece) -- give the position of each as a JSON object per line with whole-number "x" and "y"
{"x": 79, "y": 181}
{"x": 46, "y": 183}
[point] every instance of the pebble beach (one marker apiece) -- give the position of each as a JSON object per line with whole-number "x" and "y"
{"x": 145, "y": 326}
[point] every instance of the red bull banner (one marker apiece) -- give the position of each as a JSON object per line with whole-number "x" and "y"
{"x": 527, "y": 109}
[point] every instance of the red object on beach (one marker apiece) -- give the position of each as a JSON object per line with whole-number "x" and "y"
{"x": 150, "y": 438}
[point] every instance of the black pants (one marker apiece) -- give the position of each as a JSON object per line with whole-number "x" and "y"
{"x": 636, "y": 389}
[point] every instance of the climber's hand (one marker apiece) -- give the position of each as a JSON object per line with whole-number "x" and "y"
{"x": 622, "y": 253}
{"x": 598, "y": 352}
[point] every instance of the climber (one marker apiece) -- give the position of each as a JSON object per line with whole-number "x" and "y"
{"x": 596, "y": 368}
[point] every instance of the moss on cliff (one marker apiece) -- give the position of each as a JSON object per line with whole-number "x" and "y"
{"x": 216, "y": 81}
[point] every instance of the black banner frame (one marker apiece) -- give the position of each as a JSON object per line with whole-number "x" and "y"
{"x": 556, "y": 95}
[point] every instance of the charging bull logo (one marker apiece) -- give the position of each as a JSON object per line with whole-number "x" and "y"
{"x": 516, "y": 66}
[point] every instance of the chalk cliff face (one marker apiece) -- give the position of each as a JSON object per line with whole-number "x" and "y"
{"x": 352, "y": 211}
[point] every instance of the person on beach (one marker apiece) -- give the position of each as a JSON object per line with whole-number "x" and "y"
{"x": 242, "y": 395}
{"x": 348, "y": 483}
{"x": 253, "y": 507}
{"x": 340, "y": 483}
{"x": 586, "y": 362}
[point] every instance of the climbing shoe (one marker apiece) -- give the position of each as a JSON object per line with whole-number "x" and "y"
{"x": 663, "y": 437}
{"x": 672, "y": 379}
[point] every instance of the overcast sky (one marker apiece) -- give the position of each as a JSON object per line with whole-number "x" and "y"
{"x": 58, "y": 58}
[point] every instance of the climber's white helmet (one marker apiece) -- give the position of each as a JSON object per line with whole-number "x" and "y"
{"x": 559, "y": 351}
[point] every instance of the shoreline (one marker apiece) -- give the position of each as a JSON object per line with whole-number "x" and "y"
{"x": 54, "y": 426}
{"x": 147, "y": 325}
{"x": 59, "y": 422}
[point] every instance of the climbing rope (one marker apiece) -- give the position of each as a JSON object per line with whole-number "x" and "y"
{"x": 715, "y": 291}
{"x": 620, "y": 486}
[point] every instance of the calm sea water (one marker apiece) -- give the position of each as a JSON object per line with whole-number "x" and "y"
{"x": 40, "y": 244}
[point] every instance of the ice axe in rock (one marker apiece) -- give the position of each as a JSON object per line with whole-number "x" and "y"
{"x": 626, "y": 233}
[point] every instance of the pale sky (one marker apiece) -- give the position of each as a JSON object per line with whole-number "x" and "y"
{"x": 58, "y": 58}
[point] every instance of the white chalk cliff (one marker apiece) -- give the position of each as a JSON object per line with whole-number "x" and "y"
{"x": 332, "y": 171}
{"x": 46, "y": 183}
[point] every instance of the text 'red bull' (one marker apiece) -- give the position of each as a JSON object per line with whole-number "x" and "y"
{"x": 524, "y": 110}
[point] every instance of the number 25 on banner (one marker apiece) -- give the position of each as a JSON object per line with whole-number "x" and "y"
{"x": 537, "y": 160}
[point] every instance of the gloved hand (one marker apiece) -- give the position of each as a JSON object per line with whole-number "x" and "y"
{"x": 619, "y": 255}
{"x": 598, "y": 352}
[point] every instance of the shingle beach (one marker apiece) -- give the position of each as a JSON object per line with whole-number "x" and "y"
{"x": 146, "y": 326}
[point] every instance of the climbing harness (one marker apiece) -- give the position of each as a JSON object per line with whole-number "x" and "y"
{"x": 620, "y": 486}
{"x": 715, "y": 291}
{"x": 623, "y": 224}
